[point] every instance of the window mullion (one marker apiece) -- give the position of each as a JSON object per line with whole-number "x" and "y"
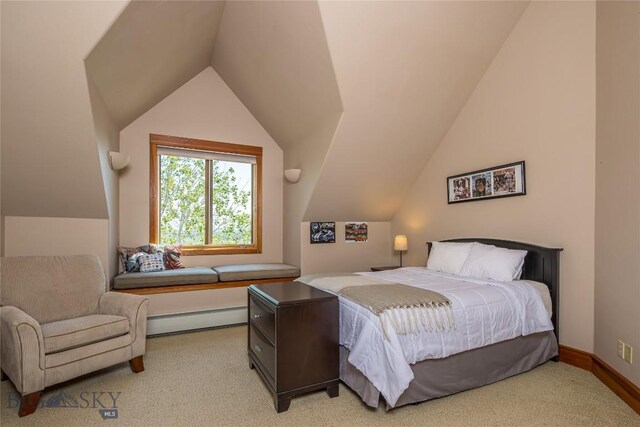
{"x": 207, "y": 200}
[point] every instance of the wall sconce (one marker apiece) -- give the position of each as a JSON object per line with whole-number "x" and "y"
{"x": 292, "y": 175}
{"x": 118, "y": 161}
{"x": 400, "y": 244}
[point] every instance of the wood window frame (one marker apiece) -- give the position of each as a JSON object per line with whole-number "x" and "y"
{"x": 156, "y": 141}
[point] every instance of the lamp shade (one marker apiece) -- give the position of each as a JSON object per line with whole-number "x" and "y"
{"x": 400, "y": 243}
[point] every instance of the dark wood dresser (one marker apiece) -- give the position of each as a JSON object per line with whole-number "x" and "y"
{"x": 293, "y": 339}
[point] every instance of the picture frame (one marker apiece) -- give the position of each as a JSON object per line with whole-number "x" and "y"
{"x": 356, "y": 232}
{"x": 322, "y": 232}
{"x": 506, "y": 180}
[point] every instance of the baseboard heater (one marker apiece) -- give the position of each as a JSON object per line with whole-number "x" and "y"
{"x": 176, "y": 322}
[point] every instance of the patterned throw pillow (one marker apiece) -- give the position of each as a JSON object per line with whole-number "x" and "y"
{"x": 133, "y": 263}
{"x": 172, "y": 254}
{"x": 129, "y": 256}
{"x": 151, "y": 263}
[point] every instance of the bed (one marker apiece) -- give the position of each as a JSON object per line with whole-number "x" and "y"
{"x": 371, "y": 363}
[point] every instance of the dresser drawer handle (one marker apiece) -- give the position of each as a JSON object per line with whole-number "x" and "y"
{"x": 258, "y": 348}
{"x": 257, "y": 316}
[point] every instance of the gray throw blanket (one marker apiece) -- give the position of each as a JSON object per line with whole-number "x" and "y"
{"x": 406, "y": 309}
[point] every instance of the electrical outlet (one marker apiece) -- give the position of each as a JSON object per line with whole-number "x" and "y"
{"x": 628, "y": 353}
{"x": 620, "y": 349}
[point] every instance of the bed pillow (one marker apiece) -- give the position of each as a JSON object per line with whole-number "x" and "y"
{"x": 448, "y": 257}
{"x": 491, "y": 262}
{"x": 151, "y": 263}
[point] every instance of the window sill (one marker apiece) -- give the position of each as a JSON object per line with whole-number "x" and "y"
{"x": 217, "y": 250}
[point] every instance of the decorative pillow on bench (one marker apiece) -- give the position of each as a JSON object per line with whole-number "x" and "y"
{"x": 130, "y": 257}
{"x": 151, "y": 263}
{"x": 172, "y": 254}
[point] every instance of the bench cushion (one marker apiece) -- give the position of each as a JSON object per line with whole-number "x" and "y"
{"x": 232, "y": 273}
{"x": 181, "y": 276}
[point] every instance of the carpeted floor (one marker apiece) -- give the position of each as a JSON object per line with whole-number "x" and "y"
{"x": 203, "y": 378}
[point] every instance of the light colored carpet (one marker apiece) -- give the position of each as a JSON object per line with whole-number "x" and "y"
{"x": 203, "y": 378}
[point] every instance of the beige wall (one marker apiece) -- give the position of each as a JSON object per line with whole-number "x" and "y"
{"x": 349, "y": 257}
{"x": 536, "y": 103}
{"x": 183, "y": 302}
{"x": 308, "y": 156}
{"x": 617, "y": 227}
{"x": 56, "y": 236}
{"x": 107, "y": 137}
{"x": 204, "y": 108}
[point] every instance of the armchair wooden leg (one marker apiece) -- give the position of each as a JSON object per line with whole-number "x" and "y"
{"x": 137, "y": 365}
{"x": 29, "y": 404}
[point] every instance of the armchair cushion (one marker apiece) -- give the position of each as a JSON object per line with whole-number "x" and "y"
{"x": 80, "y": 331}
{"x": 133, "y": 307}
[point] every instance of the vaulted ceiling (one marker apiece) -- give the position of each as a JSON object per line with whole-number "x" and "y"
{"x": 153, "y": 48}
{"x": 359, "y": 93}
{"x": 404, "y": 70}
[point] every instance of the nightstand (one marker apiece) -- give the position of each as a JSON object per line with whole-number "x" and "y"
{"x": 293, "y": 340}
{"x": 391, "y": 267}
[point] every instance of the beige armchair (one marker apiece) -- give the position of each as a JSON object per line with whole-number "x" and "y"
{"x": 58, "y": 322}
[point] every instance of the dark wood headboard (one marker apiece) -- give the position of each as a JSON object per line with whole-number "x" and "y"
{"x": 541, "y": 264}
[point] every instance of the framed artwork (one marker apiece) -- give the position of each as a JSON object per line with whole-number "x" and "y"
{"x": 356, "y": 232}
{"x": 322, "y": 232}
{"x": 499, "y": 181}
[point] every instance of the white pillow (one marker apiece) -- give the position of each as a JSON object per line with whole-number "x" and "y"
{"x": 491, "y": 262}
{"x": 151, "y": 262}
{"x": 448, "y": 257}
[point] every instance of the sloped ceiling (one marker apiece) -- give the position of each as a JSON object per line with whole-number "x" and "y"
{"x": 50, "y": 162}
{"x": 274, "y": 56}
{"x": 153, "y": 48}
{"x": 404, "y": 70}
{"x": 393, "y": 74}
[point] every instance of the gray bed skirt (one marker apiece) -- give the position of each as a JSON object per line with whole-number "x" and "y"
{"x": 463, "y": 371}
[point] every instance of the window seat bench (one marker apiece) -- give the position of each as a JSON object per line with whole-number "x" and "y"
{"x": 202, "y": 278}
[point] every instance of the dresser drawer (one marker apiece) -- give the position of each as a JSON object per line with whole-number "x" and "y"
{"x": 263, "y": 318}
{"x": 263, "y": 350}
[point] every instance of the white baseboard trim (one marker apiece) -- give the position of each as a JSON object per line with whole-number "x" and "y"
{"x": 176, "y": 322}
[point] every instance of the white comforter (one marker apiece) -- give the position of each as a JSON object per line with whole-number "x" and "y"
{"x": 485, "y": 312}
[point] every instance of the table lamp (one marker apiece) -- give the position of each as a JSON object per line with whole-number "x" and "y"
{"x": 400, "y": 244}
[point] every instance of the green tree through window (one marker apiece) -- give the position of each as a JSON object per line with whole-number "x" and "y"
{"x": 205, "y": 195}
{"x": 192, "y": 189}
{"x": 182, "y": 200}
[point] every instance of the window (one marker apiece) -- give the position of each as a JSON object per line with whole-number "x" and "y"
{"x": 205, "y": 195}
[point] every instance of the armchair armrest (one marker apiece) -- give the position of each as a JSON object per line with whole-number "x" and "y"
{"x": 22, "y": 349}
{"x": 133, "y": 307}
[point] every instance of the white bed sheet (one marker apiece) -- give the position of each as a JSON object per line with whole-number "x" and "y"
{"x": 485, "y": 312}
